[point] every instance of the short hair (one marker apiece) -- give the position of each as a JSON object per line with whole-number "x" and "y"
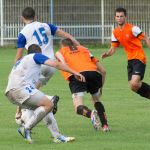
{"x": 34, "y": 48}
{"x": 28, "y": 13}
{"x": 68, "y": 42}
{"x": 121, "y": 9}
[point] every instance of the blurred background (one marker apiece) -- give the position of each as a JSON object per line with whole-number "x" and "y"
{"x": 86, "y": 20}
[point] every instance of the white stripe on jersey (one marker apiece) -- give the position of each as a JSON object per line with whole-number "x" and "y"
{"x": 136, "y": 31}
{"x": 113, "y": 38}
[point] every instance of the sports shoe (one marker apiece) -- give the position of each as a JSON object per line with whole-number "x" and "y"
{"x": 26, "y": 134}
{"x": 105, "y": 128}
{"x": 63, "y": 139}
{"x": 95, "y": 120}
{"x": 55, "y": 101}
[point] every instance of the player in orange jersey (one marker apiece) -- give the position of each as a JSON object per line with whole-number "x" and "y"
{"x": 81, "y": 60}
{"x": 130, "y": 36}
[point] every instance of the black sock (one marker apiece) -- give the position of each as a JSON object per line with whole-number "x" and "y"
{"x": 144, "y": 90}
{"x": 101, "y": 112}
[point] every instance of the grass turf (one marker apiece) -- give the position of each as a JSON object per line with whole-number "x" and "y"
{"x": 128, "y": 114}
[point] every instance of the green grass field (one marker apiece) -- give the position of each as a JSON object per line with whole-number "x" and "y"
{"x": 128, "y": 114}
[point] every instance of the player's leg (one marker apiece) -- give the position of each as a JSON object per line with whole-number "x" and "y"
{"x": 94, "y": 87}
{"x": 100, "y": 110}
{"x": 136, "y": 71}
{"x": 77, "y": 89}
{"x": 79, "y": 107}
{"x": 23, "y": 115}
{"x": 52, "y": 126}
{"x": 41, "y": 105}
{"x": 28, "y": 97}
{"x": 83, "y": 110}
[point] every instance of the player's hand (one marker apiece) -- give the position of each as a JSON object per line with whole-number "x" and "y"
{"x": 104, "y": 55}
{"x": 79, "y": 77}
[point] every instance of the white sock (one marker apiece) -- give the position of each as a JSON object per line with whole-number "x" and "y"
{"x": 38, "y": 115}
{"x": 51, "y": 124}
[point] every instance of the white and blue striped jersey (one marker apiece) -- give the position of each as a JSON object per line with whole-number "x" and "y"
{"x": 40, "y": 34}
{"x": 26, "y": 71}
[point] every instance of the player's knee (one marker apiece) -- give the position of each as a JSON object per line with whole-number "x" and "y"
{"x": 48, "y": 105}
{"x": 134, "y": 86}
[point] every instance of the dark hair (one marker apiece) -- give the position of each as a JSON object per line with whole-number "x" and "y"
{"x": 28, "y": 13}
{"x": 68, "y": 42}
{"x": 121, "y": 9}
{"x": 34, "y": 48}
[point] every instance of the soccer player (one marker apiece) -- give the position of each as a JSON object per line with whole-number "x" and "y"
{"x": 79, "y": 58}
{"x": 21, "y": 89}
{"x": 130, "y": 36}
{"x": 41, "y": 34}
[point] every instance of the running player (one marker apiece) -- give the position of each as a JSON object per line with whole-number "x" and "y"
{"x": 130, "y": 36}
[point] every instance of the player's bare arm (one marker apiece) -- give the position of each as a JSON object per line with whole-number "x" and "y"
{"x": 102, "y": 70}
{"x": 147, "y": 40}
{"x": 64, "y": 67}
{"x": 19, "y": 54}
{"x": 64, "y": 34}
{"x": 59, "y": 57}
{"x": 109, "y": 53}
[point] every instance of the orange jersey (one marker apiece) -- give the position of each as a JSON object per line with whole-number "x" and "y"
{"x": 129, "y": 37}
{"x": 79, "y": 60}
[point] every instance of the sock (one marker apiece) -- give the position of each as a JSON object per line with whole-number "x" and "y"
{"x": 144, "y": 90}
{"x": 101, "y": 113}
{"x": 51, "y": 124}
{"x": 38, "y": 115}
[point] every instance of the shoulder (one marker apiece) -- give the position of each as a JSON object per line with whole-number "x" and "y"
{"x": 39, "y": 58}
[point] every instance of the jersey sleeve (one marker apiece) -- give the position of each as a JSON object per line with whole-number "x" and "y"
{"x": 137, "y": 32}
{"x": 40, "y": 58}
{"x": 53, "y": 28}
{"x": 114, "y": 41}
{"x": 21, "y": 42}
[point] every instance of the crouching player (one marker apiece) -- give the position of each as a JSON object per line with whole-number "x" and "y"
{"x": 22, "y": 92}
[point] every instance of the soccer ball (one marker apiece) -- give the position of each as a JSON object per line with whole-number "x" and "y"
{"x": 18, "y": 121}
{"x": 26, "y": 115}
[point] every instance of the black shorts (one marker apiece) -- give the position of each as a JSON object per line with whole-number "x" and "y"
{"x": 135, "y": 67}
{"x": 92, "y": 84}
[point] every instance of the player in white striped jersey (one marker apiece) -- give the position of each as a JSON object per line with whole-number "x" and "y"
{"x": 21, "y": 89}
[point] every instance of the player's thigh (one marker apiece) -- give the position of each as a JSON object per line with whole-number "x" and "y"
{"x": 76, "y": 86}
{"x": 34, "y": 100}
{"x": 136, "y": 67}
{"x": 94, "y": 82}
{"x": 18, "y": 96}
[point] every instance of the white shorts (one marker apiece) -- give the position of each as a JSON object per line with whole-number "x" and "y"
{"x": 46, "y": 73}
{"x": 25, "y": 97}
